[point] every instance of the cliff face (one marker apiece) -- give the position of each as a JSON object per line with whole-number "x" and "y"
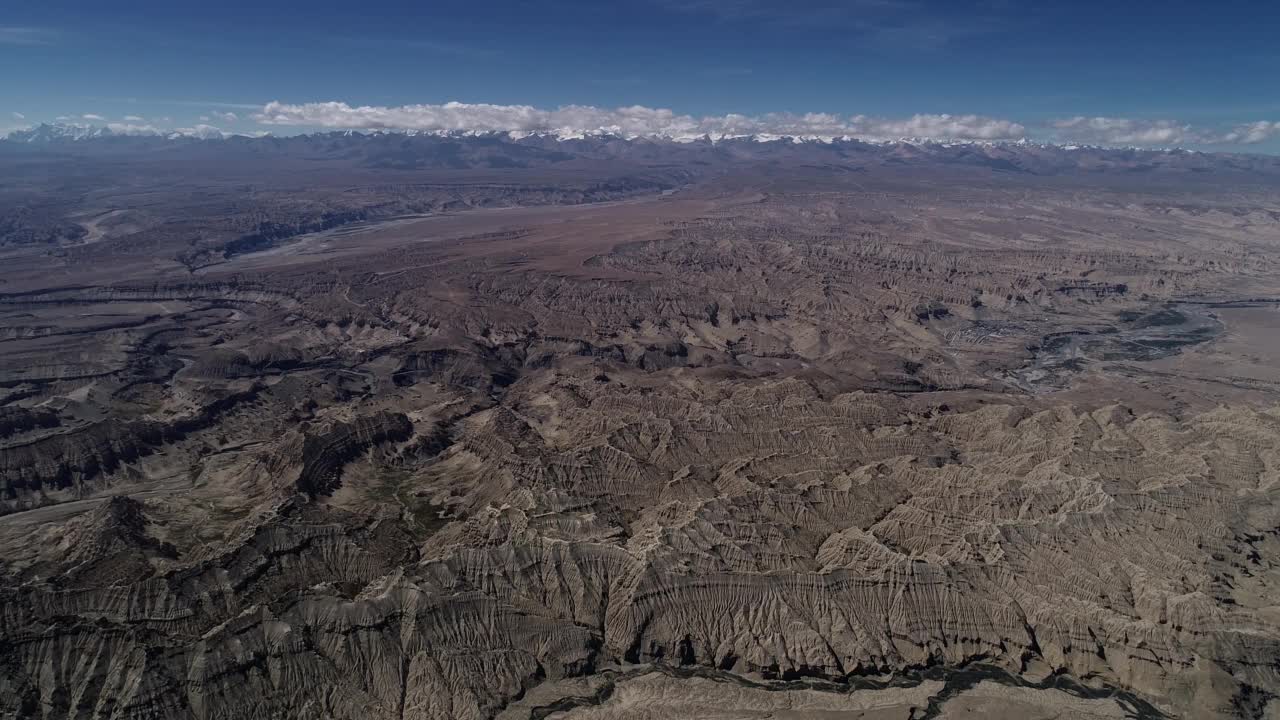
{"x": 324, "y": 455}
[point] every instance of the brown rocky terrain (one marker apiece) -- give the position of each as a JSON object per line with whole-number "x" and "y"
{"x": 623, "y": 430}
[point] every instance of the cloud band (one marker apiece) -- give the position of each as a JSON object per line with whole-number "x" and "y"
{"x": 633, "y": 121}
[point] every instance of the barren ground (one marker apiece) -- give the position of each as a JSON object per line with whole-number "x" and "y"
{"x": 791, "y": 441}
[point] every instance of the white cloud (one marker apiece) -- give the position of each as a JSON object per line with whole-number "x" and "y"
{"x": 131, "y": 128}
{"x": 1249, "y": 133}
{"x": 630, "y": 121}
{"x": 91, "y": 116}
{"x": 202, "y": 131}
{"x": 19, "y": 117}
{"x": 226, "y": 116}
{"x": 204, "y": 118}
{"x": 11, "y": 35}
{"x": 134, "y": 118}
{"x": 186, "y": 103}
{"x": 1123, "y": 131}
{"x": 974, "y": 127}
{"x": 1128, "y": 131}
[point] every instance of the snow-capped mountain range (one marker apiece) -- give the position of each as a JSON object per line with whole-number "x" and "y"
{"x": 71, "y": 132}
{"x": 507, "y": 152}
{"x": 454, "y": 149}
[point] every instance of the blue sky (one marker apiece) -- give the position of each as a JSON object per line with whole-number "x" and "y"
{"x": 1187, "y": 73}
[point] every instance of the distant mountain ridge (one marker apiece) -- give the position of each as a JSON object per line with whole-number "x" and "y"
{"x": 75, "y": 132}
{"x": 71, "y": 132}
{"x": 458, "y": 150}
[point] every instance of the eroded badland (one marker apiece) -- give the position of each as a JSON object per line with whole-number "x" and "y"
{"x": 582, "y": 431}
